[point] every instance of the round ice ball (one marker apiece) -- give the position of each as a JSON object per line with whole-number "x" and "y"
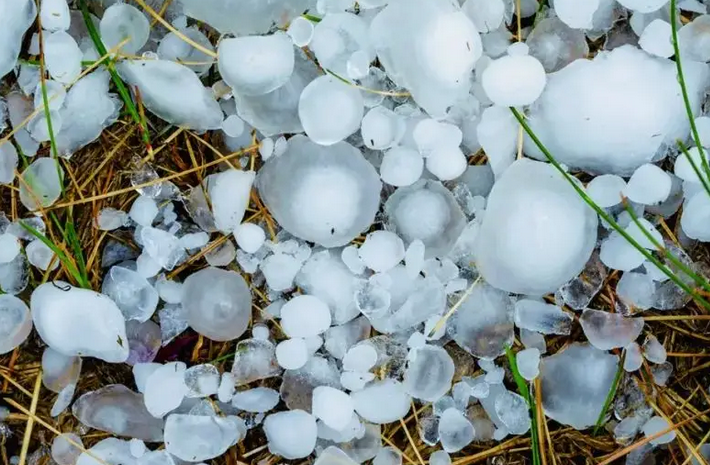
{"x": 122, "y": 21}
{"x": 217, "y": 303}
{"x": 326, "y": 195}
{"x": 537, "y": 232}
{"x": 15, "y": 323}
{"x": 330, "y": 110}
{"x": 514, "y": 80}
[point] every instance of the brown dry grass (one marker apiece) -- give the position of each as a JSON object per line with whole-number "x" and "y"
{"x": 99, "y": 177}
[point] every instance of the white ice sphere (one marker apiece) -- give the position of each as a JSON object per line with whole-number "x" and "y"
{"x": 229, "y": 193}
{"x": 528, "y": 361}
{"x": 292, "y": 434}
{"x": 76, "y": 321}
{"x": 63, "y": 451}
{"x": 201, "y": 380}
{"x": 514, "y": 80}
{"x": 656, "y": 39}
{"x": 242, "y": 18}
{"x": 144, "y": 210}
{"x": 633, "y": 360}
{"x": 607, "y": 331}
{"x": 256, "y": 400}
{"x": 381, "y": 251}
{"x": 8, "y": 162}
{"x": 382, "y": 402}
{"x": 333, "y": 407}
{"x": 561, "y": 231}
{"x": 694, "y": 39}
{"x": 233, "y": 126}
{"x": 165, "y": 389}
{"x": 17, "y": 17}
{"x": 122, "y": 21}
{"x": 487, "y": 15}
{"x": 15, "y": 323}
{"x": 305, "y": 316}
{"x": 330, "y": 110}
{"x": 301, "y": 31}
{"x": 643, "y": 6}
{"x": 695, "y": 216}
{"x": 429, "y": 373}
{"x": 409, "y": 43}
{"x": 327, "y": 195}
{"x": 131, "y": 292}
{"x": 575, "y": 14}
{"x": 606, "y": 190}
{"x": 382, "y": 128}
{"x": 576, "y": 383}
{"x": 541, "y": 317}
{"x": 9, "y": 247}
{"x": 42, "y": 184}
{"x": 639, "y": 116}
{"x": 292, "y": 354}
{"x": 555, "y": 44}
{"x": 337, "y": 37}
{"x": 654, "y": 426}
{"x": 498, "y": 133}
{"x": 256, "y": 65}
{"x": 649, "y": 185}
{"x": 160, "y": 81}
{"x": 483, "y": 325}
{"x": 446, "y": 163}
{"x": 218, "y": 303}
{"x": 250, "y": 237}
{"x": 195, "y": 438}
{"x": 62, "y": 56}
{"x": 426, "y": 211}
{"x": 110, "y": 219}
{"x": 360, "y": 358}
{"x": 401, "y": 166}
{"x": 455, "y": 430}
{"x": 654, "y": 351}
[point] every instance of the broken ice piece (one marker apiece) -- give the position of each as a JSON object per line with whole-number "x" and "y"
{"x": 131, "y": 292}
{"x": 229, "y": 193}
{"x": 541, "y": 317}
{"x": 201, "y": 380}
{"x": 513, "y": 411}
{"x": 653, "y": 350}
{"x": 165, "y": 389}
{"x": 255, "y": 359}
{"x": 195, "y": 438}
{"x": 610, "y": 330}
{"x": 455, "y": 430}
{"x": 42, "y": 183}
{"x": 429, "y": 373}
{"x": 59, "y": 370}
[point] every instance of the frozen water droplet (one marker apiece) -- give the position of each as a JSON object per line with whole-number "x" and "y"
{"x": 122, "y": 21}
{"x": 330, "y": 110}
{"x": 291, "y": 434}
{"x": 195, "y": 438}
{"x": 382, "y": 401}
{"x": 610, "y": 330}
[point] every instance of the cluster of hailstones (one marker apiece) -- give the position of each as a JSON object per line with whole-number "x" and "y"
{"x": 366, "y": 144}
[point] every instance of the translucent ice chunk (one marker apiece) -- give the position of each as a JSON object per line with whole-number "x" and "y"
{"x": 173, "y": 47}
{"x": 337, "y": 37}
{"x": 610, "y": 330}
{"x": 197, "y": 438}
{"x": 165, "y": 389}
{"x": 255, "y": 359}
{"x": 256, "y": 400}
{"x": 42, "y": 184}
{"x": 15, "y": 323}
{"x": 131, "y": 292}
{"x": 429, "y": 373}
{"x": 122, "y": 21}
{"x": 17, "y": 16}
{"x": 541, "y": 317}
{"x": 555, "y": 44}
{"x": 62, "y": 56}
{"x": 455, "y": 430}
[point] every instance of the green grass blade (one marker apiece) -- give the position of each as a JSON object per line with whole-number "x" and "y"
{"x": 610, "y": 395}
{"x": 604, "y": 215}
{"x": 703, "y": 179}
{"x": 314, "y": 19}
{"x": 71, "y": 238}
{"x": 120, "y": 86}
{"x": 524, "y": 391}
{"x": 683, "y": 87}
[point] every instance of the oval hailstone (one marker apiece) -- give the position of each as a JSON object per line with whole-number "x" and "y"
{"x": 429, "y": 373}
{"x": 330, "y": 110}
{"x": 15, "y": 323}
{"x": 256, "y": 65}
{"x": 515, "y": 80}
{"x": 42, "y": 184}
{"x": 122, "y": 21}
{"x": 54, "y": 15}
{"x": 17, "y": 16}
{"x": 537, "y": 233}
{"x": 76, "y": 321}
{"x": 218, "y": 303}
{"x": 326, "y": 195}
{"x": 62, "y": 56}
{"x": 292, "y": 434}
{"x": 626, "y": 94}
{"x": 196, "y": 438}
{"x": 382, "y": 402}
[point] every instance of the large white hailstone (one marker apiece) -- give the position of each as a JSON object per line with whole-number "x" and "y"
{"x": 76, "y": 321}
{"x": 337, "y": 37}
{"x": 626, "y": 95}
{"x": 643, "y": 6}
{"x": 122, "y": 21}
{"x": 514, "y": 80}
{"x": 256, "y": 65}
{"x": 54, "y": 15}
{"x": 656, "y": 39}
{"x": 17, "y": 16}
{"x": 326, "y": 195}
{"x": 576, "y": 14}
{"x": 430, "y": 50}
{"x": 537, "y": 232}
{"x": 330, "y": 110}
{"x": 217, "y": 303}
{"x": 15, "y": 323}
{"x": 173, "y": 93}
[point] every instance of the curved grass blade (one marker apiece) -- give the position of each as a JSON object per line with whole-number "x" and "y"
{"x": 610, "y": 396}
{"x": 524, "y": 391}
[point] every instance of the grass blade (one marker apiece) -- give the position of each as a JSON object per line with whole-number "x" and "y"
{"x": 524, "y": 391}
{"x": 604, "y": 215}
{"x": 703, "y": 179}
{"x": 610, "y": 396}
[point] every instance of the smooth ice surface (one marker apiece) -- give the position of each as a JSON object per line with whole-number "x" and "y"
{"x": 64, "y": 452}
{"x": 195, "y": 438}
{"x": 255, "y": 359}
{"x": 634, "y": 358}
{"x": 333, "y": 407}
{"x": 77, "y": 321}
{"x": 218, "y": 303}
{"x": 8, "y": 161}
{"x": 606, "y": 190}
{"x": 165, "y": 389}
{"x": 629, "y": 96}
{"x": 576, "y": 15}
{"x": 656, "y": 39}
{"x": 59, "y": 370}
{"x": 131, "y": 292}
{"x": 41, "y": 256}
{"x": 381, "y": 251}
{"x": 607, "y": 330}
{"x": 382, "y": 402}
{"x": 201, "y": 380}
{"x": 173, "y": 47}
{"x": 575, "y": 384}
{"x": 292, "y": 434}
{"x": 337, "y": 38}
{"x": 256, "y": 65}
{"x": 9, "y": 247}
{"x": 656, "y": 425}
{"x": 555, "y": 44}
{"x": 161, "y": 81}
{"x": 259, "y": 399}
{"x": 42, "y": 184}
{"x": 455, "y": 430}
{"x": 528, "y": 361}
{"x": 122, "y": 21}
{"x": 653, "y": 350}
{"x": 429, "y": 373}
{"x": 649, "y": 185}
{"x": 512, "y": 409}
{"x": 560, "y": 231}
{"x": 326, "y": 195}
{"x": 501, "y": 80}
{"x": 15, "y": 323}
{"x": 305, "y": 316}
{"x": 118, "y": 410}
{"x": 17, "y": 16}
{"x": 62, "y": 56}
{"x": 229, "y": 196}
{"x": 695, "y": 215}
{"x": 401, "y": 166}
{"x": 544, "y": 318}
{"x": 694, "y": 39}
{"x": 250, "y": 237}
{"x": 292, "y": 354}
